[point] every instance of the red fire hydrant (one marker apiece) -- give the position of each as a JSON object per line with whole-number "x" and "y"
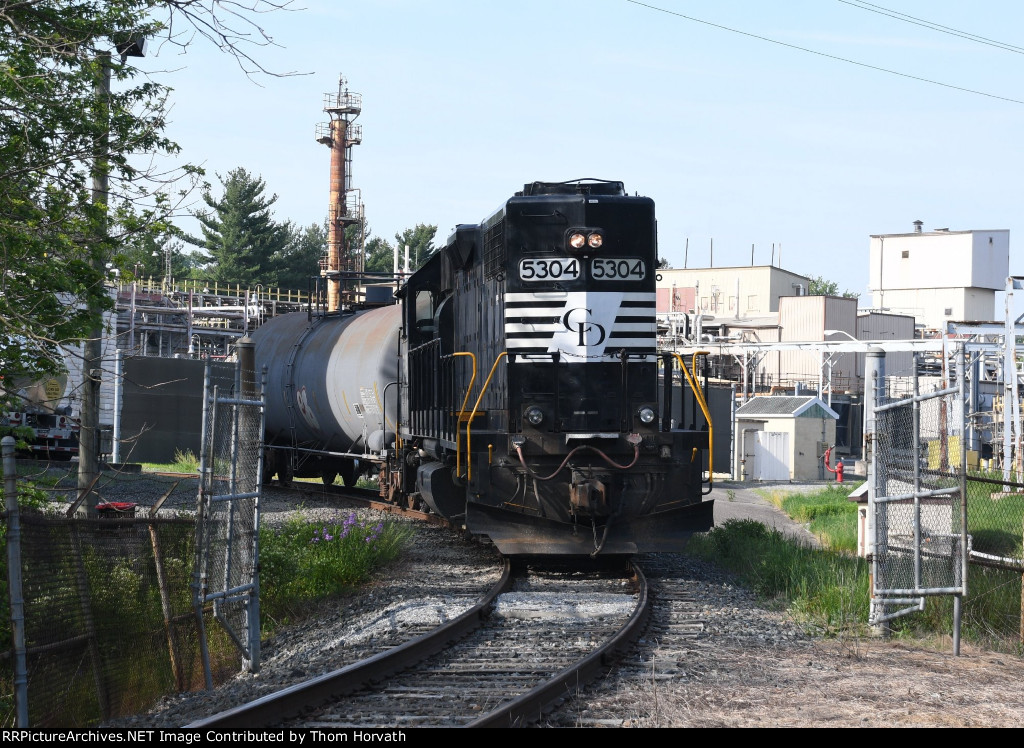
{"x": 838, "y": 470}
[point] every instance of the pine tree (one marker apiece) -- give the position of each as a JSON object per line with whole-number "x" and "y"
{"x": 239, "y": 233}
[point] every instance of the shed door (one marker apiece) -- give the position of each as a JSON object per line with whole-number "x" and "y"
{"x": 771, "y": 455}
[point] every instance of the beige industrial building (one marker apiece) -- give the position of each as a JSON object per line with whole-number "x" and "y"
{"x": 728, "y": 291}
{"x": 783, "y": 438}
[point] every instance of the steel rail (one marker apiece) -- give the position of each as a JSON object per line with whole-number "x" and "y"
{"x": 530, "y": 706}
{"x": 292, "y": 701}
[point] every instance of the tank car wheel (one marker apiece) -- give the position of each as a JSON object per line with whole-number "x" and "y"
{"x": 284, "y": 473}
{"x": 348, "y": 473}
{"x": 328, "y": 476}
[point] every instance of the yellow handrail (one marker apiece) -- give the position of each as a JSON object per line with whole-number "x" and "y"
{"x": 469, "y": 424}
{"x": 703, "y": 406}
{"x": 462, "y": 410}
{"x": 700, "y": 392}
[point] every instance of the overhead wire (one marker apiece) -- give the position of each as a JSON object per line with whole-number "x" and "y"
{"x": 871, "y": 7}
{"x": 826, "y": 55}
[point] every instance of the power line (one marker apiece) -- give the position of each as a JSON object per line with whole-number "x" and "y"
{"x": 824, "y": 54}
{"x": 871, "y": 7}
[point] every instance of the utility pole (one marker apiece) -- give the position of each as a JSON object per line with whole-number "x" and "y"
{"x": 92, "y": 349}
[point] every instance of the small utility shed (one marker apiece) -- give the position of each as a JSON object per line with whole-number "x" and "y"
{"x": 784, "y": 437}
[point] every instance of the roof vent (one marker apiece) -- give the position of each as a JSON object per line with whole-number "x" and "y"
{"x": 917, "y": 226}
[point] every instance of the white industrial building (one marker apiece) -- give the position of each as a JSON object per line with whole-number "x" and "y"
{"x": 939, "y": 276}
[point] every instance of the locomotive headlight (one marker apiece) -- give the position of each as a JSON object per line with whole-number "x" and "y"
{"x": 534, "y": 415}
{"x": 579, "y": 241}
{"x": 646, "y": 414}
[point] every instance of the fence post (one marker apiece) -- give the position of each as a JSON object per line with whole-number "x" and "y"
{"x": 115, "y": 448}
{"x": 252, "y": 423}
{"x": 874, "y": 387}
{"x": 14, "y": 581}
{"x": 958, "y": 600}
{"x": 202, "y": 509}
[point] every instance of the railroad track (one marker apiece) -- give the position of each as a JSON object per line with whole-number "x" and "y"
{"x": 539, "y": 634}
{"x": 674, "y": 648}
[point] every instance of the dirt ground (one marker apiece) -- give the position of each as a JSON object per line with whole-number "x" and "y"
{"x": 868, "y": 683}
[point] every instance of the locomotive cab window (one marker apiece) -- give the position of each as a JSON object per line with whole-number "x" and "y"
{"x": 424, "y": 322}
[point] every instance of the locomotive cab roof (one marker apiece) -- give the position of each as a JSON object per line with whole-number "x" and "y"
{"x": 585, "y": 186}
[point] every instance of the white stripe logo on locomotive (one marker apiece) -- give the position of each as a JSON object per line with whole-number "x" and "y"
{"x": 580, "y": 325}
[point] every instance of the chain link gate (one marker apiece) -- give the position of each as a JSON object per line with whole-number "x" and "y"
{"x": 917, "y": 497}
{"x": 227, "y": 528}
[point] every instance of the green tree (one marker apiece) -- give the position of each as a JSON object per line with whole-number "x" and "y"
{"x": 420, "y": 241}
{"x": 65, "y": 135}
{"x": 821, "y": 287}
{"x": 60, "y": 131}
{"x": 240, "y": 235}
{"x": 380, "y": 255}
{"x": 300, "y": 258}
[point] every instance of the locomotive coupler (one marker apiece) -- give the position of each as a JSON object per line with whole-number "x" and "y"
{"x": 587, "y": 495}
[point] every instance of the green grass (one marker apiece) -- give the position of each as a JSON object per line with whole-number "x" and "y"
{"x": 305, "y": 562}
{"x": 825, "y": 590}
{"x": 184, "y": 462}
{"x": 995, "y": 519}
{"x": 828, "y": 589}
{"x": 828, "y": 513}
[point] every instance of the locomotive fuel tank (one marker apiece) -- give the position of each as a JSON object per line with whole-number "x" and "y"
{"x": 327, "y": 378}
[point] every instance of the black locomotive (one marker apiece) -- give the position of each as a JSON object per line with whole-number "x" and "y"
{"x": 520, "y": 391}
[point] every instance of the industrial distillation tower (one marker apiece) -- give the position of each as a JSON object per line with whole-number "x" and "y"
{"x": 346, "y": 208}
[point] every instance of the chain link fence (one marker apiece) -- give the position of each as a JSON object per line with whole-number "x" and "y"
{"x": 995, "y": 516}
{"x": 944, "y": 523}
{"x": 994, "y": 504}
{"x": 106, "y": 617}
{"x": 228, "y": 524}
{"x": 919, "y": 512}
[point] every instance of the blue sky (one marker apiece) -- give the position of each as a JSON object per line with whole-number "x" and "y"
{"x": 745, "y": 144}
